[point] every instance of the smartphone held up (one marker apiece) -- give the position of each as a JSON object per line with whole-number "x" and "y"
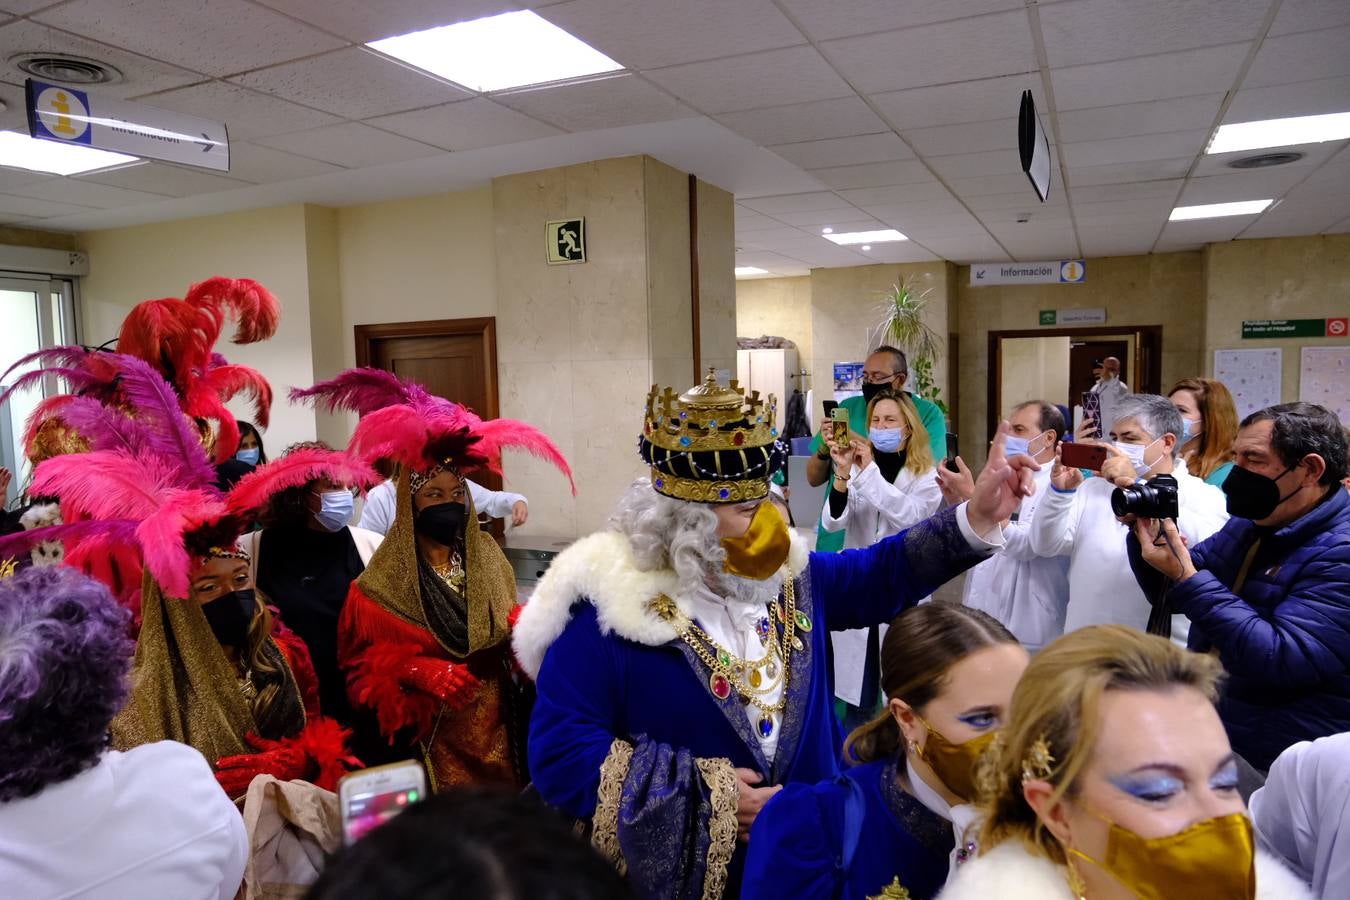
{"x": 371, "y": 797}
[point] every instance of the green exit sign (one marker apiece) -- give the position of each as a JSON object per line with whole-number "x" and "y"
{"x": 1292, "y": 328}
{"x": 1049, "y": 316}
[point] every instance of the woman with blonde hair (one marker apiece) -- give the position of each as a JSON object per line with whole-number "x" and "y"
{"x": 900, "y": 817}
{"x": 1209, "y": 423}
{"x": 1113, "y": 778}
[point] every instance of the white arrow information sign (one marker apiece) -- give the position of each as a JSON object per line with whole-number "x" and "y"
{"x": 1061, "y": 271}
{"x": 68, "y": 116}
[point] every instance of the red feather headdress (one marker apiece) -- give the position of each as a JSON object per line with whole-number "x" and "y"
{"x": 251, "y": 495}
{"x": 403, "y": 422}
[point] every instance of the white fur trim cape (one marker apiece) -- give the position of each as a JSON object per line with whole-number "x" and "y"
{"x": 1010, "y": 872}
{"x": 601, "y": 569}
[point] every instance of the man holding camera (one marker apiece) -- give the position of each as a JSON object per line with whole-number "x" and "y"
{"x": 1271, "y": 591}
{"x": 1076, "y": 518}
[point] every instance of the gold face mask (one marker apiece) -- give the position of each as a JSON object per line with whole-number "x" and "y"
{"x": 763, "y": 548}
{"x": 1214, "y": 859}
{"x": 954, "y": 764}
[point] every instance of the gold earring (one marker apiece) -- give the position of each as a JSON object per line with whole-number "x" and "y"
{"x": 1077, "y": 886}
{"x": 913, "y": 747}
{"x": 1039, "y": 763}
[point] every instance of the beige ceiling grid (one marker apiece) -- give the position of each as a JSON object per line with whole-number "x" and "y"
{"x": 882, "y": 113}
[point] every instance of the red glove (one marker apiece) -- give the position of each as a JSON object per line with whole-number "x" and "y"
{"x": 280, "y": 759}
{"x": 452, "y": 684}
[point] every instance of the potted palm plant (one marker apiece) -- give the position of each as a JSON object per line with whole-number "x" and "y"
{"x": 903, "y": 326}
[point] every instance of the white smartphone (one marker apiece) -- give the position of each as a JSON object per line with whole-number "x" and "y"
{"x": 372, "y": 797}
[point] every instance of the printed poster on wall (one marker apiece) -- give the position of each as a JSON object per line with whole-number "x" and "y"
{"x": 1324, "y": 379}
{"x": 1252, "y": 376}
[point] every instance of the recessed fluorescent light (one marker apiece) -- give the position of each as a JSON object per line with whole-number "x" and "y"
{"x": 1217, "y": 210}
{"x": 743, "y": 271}
{"x": 866, "y": 247}
{"x": 866, "y": 237}
{"x": 513, "y": 49}
{"x": 23, "y": 152}
{"x": 1280, "y": 133}
{"x": 827, "y": 231}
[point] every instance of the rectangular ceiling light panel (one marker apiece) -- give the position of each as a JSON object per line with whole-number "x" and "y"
{"x": 23, "y": 152}
{"x": 746, "y": 271}
{"x": 1218, "y": 210}
{"x": 1280, "y": 133}
{"x": 507, "y": 51}
{"x": 866, "y": 237}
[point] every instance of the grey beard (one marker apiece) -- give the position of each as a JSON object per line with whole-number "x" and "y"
{"x": 746, "y": 590}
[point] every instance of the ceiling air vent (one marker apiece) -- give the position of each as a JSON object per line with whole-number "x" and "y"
{"x": 1265, "y": 160}
{"x": 65, "y": 69}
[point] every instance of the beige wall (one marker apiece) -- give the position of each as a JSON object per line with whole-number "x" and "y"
{"x": 1283, "y": 278}
{"x": 1161, "y": 289}
{"x": 1034, "y": 368}
{"x": 46, "y": 240}
{"x": 128, "y": 265}
{"x": 716, "y": 278}
{"x": 776, "y": 306}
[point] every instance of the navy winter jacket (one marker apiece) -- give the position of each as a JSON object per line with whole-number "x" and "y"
{"x": 1285, "y": 636}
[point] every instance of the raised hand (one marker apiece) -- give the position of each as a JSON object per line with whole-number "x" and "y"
{"x": 957, "y": 486}
{"x": 1001, "y": 485}
{"x": 1065, "y": 478}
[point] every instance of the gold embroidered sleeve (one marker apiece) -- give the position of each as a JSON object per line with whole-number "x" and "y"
{"x": 720, "y": 777}
{"x": 605, "y": 825}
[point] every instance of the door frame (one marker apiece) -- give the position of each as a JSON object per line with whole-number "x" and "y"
{"x": 1147, "y": 363}
{"x": 484, "y": 326}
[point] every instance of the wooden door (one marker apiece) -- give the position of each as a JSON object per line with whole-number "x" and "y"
{"x": 452, "y": 358}
{"x": 1081, "y": 356}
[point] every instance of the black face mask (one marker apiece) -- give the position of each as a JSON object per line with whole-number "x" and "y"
{"x": 1252, "y": 495}
{"x": 442, "y": 523}
{"x": 230, "y": 616}
{"x": 870, "y": 390}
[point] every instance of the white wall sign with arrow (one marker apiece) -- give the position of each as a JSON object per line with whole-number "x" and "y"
{"x": 68, "y": 116}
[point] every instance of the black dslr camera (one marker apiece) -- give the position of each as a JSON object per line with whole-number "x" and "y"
{"x": 1153, "y": 499}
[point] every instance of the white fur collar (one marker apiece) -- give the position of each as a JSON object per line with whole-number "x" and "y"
{"x": 1009, "y": 872}
{"x": 601, "y": 569}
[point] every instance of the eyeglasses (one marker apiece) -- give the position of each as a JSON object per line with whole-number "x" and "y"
{"x": 878, "y": 377}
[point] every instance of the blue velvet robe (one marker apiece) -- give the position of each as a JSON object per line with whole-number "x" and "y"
{"x": 847, "y": 839}
{"x": 594, "y": 688}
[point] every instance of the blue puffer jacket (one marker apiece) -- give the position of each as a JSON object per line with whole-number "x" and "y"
{"x": 1285, "y": 637}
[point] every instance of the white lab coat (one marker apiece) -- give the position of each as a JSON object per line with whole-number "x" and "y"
{"x": 378, "y": 513}
{"x": 1027, "y": 593}
{"x": 1081, "y": 526}
{"x": 876, "y": 509}
{"x": 1302, "y": 814}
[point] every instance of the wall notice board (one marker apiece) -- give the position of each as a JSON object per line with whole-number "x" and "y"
{"x": 1324, "y": 379}
{"x": 1253, "y": 377}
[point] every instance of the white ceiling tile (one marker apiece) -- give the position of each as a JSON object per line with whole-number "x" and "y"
{"x": 905, "y": 193}
{"x": 351, "y": 144}
{"x": 1143, "y": 148}
{"x": 819, "y": 218}
{"x": 996, "y": 184}
{"x": 805, "y": 121}
{"x": 749, "y": 220}
{"x": 953, "y": 104}
{"x": 769, "y": 78}
{"x": 16, "y": 178}
{"x": 263, "y": 165}
{"x": 1313, "y": 155}
{"x": 967, "y": 249}
{"x": 1251, "y": 184}
{"x": 971, "y": 137}
{"x": 774, "y": 262}
{"x": 782, "y": 203}
{"x": 1026, "y": 216}
{"x": 890, "y": 212}
{"x": 29, "y": 207}
{"x": 1310, "y": 15}
{"x": 361, "y": 21}
{"x": 164, "y": 178}
{"x": 218, "y": 37}
{"x": 937, "y": 231}
{"x": 1127, "y": 120}
{"x": 1021, "y": 198}
{"x": 1122, "y": 173}
{"x": 1064, "y": 247}
{"x": 1113, "y": 246}
{"x": 844, "y": 18}
{"x": 973, "y": 165}
{"x": 1153, "y": 208}
{"x": 846, "y": 151}
{"x": 907, "y": 171}
{"x": 465, "y": 125}
{"x": 1205, "y": 231}
{"x": 1090, "y": 31}
{"x": 831, "y": 255}
{"x": 1301, "y": 57}
{"x": 85, "y": 193}
{"x": 140, "y": 74}
{"x": 1189, "y": 73}
{"x": 989, "y": 46}
{"x": 900, "y": 252}
{"x": 1098, "y": 193}
{"x": 1303, "y": 98}
{"x": 354, "y": 83}
{"x": 247, "y": 114}
{"x": 650, "y": 34}
{"x": 601, "y": 103}
{"x": 24, "y": 7}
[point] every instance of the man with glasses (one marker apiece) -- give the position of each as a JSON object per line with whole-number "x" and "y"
{"x": 885, "y": 369}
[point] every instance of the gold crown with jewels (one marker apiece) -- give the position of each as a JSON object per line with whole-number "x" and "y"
{"x": 709, "y": 417}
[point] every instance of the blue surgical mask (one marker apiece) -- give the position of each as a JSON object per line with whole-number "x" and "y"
{"x": 1013, "y": 445}
{"x": 1189, "y": 429}
{"x": 250, "y": 456}
{"x": 887, "y": 440}
{"x": 1136, "y": 454}
{"x": 335, "y": 510}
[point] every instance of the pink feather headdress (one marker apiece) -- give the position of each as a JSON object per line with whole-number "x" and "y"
{"x": 252, "y": 494}
{"x": 403, "y": 422}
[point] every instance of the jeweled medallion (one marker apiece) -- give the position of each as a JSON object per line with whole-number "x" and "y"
{"x": 766, "y": 726}
{"x": 720, "y": 686}
{"x": 803, "y": 621}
